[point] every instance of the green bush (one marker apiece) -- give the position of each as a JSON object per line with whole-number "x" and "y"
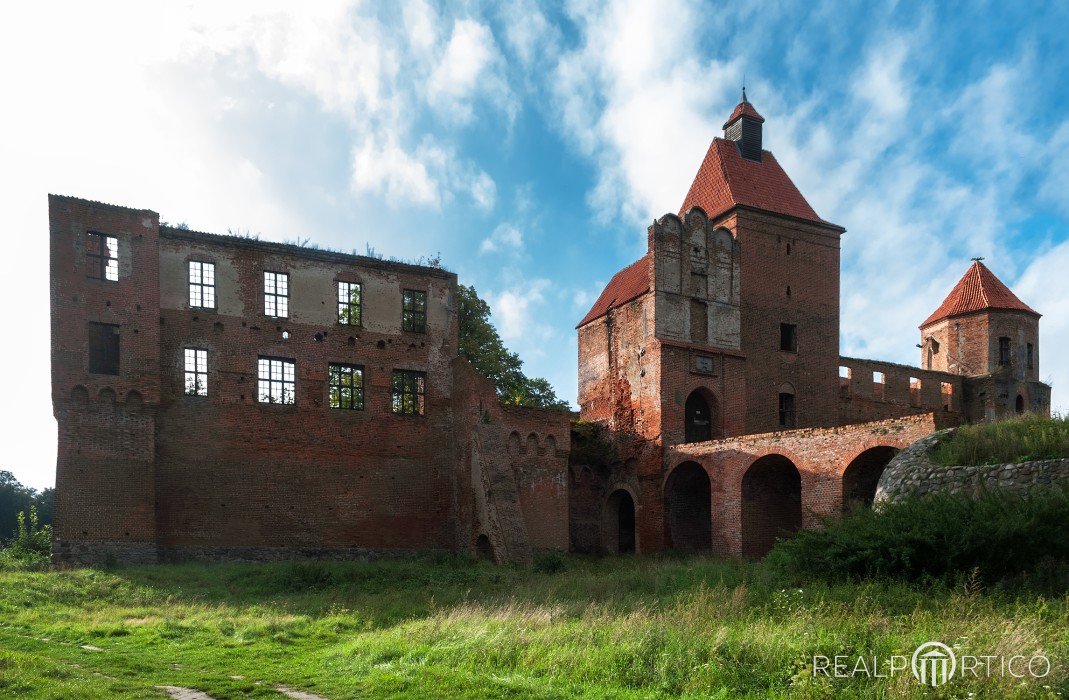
{"x": 550, "y": 561}
{"x": 994, "y": 538}
{"x": 31, "y": 547}
{"x": 1023, "y": 439}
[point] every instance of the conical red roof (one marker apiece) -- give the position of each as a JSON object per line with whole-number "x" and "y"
{"x": 742, "y": 108}
{"x": 978, "y": 290}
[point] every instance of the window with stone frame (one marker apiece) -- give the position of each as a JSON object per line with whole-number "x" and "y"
{"x": 276, "y": 294}
{"x": 276, "y": 380}
{"x": 196, "y": 371}
{"x": 786, "y": 411}
{"x": 345, "y": 386}
{"x": 201, "y": 284}
{"x": 102, "y": 253}
{"x": 349, "y": 307}
{"x": 408, "y": 389}
{"x": 414, "y": 311}
{"x": 1004, "y": 351}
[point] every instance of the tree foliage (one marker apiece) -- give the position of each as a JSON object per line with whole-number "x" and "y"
{"x": 16, "y": 498}
{"x": 483, "y": 348}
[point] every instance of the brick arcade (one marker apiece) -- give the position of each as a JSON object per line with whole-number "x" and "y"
{"x": 220, "y": 397}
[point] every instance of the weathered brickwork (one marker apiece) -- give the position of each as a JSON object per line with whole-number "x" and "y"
{"x": 716, "y": 413}
{"x": 146, "y": 466}
{"x": 717, "y": 374}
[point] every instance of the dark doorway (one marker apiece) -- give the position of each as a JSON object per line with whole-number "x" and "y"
{"x": 688, "y": 509}
{"x": 1020, "y": 404}
{"x": 699, "y": 418}
{"x": 771, "y": 504}
{"x": 863, "y": 474}
{"x": 483, "y": 549}
{"x": 618, "y": 523}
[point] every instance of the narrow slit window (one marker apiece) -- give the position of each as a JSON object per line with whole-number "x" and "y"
{"x": 276, "y": 294}
{"x": 102, "y": 251}
{"x": 946, "y": 389}
{"x": 196, "y": 360}
{"x": 346, "y": 386}
{"x": 276, "y": 380}
{"x": 103, "y": 348}
{"x": 409, "y": 392}
{"x": 786, "y": 411}
{"x": 349, "y": 311}
{"x": 201, "y": 284}
{"x": 414, "y": 311}
{"x": 1031, "y": 356}
{"x": 788, "y": 337}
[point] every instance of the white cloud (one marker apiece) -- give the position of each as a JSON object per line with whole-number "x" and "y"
{"x": 467, "y": 67}
{"x": 504, "y": 238}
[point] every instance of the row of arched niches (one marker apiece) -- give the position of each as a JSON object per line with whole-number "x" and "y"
{"x": 133, "y": 398}
{"x": 531, "y": 445}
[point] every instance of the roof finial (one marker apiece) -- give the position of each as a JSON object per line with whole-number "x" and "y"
{"x": 744, "y": 88}
{"x": 977, "y": 259}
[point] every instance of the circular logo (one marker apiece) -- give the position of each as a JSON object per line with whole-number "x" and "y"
{"x": 934, "y": 663}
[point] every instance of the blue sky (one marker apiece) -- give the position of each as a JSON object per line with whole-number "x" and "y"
{"x": 532, "y": 144}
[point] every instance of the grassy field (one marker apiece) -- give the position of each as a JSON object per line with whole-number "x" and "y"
{"x": 452, "y": 628}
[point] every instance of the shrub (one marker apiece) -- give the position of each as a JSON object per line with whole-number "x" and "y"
{"x": 32, "y": 545}
{"x": 1023, "y": 439}
{"x": 550, "y": 562}
{"x": 997, "y": 537}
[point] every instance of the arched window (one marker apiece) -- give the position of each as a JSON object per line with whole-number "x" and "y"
{"x": 699, "y": 419}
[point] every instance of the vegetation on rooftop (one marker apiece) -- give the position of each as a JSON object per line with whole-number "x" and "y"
{"x": 1024, "y": 439}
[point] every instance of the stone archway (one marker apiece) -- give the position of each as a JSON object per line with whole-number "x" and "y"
{"x": 618, "y": 523}
{"x": 863, "y": 474}
{"x": 1019, "y": 405}
{"x": 688, "y": 509}
{"x": 771, "y": 503}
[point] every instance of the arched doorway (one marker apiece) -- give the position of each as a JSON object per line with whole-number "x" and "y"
{"x": 1020, "y": 404}
{"x": 698, "y": 414}
{"x": 771, "y": 503}
{"x": 862, "y": 475}
{"x": 618, "y": 523}
{"x": 688, "y": 509}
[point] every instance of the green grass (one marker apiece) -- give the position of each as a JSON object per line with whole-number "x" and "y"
{"x": 453, "y": 628}
{"x": 1030, "y": 437}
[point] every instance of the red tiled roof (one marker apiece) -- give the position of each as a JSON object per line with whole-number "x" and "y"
{"x": 741, "y": 109}
{"x": 978, "y": 290}
{"x": 726, "y": 180}
{"x": 629, "y": 283}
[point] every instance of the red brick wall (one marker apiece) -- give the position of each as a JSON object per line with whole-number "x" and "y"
{"x": 820, "y": 457}
{"x": 811, "y": 270}
{"x": 861, "y": 399}
{"x": 105, "y": 490}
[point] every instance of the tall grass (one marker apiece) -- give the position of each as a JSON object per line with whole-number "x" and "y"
{"x": 1024, "y": 439}
{"x": 995, "y": 539}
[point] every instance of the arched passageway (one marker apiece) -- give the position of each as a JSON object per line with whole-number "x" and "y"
{"x": 771, "y": 503}
{"x": 862, "y": 475}
{"x": 1020, "y": 404}
{"x": 698, "y": 414}
{"x": 688, "y": 509}
{"x": 618, "y": 523}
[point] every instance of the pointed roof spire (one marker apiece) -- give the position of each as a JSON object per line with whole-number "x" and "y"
{"x": 744, "y": 91}
{"x": 978, "y": 290}
{"x": 743, "y": 109}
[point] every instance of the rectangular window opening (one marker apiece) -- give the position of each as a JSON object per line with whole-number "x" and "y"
{"x": 946, "y": 389}
{"x": 346, "y": 386}
{"x": 414, "y": 311}
{"x": 1004, "y": 351}
{"x": 276, "y": 380}
{"x": 196, "y": 364}
{"x": 102, "y": 252}
{"x": 914, "y": 391}
{"x": 276, "y": 294}
{"x": 201, "y": 284}
{"x": 103, "y": 348}
{"x": 788, "y": 337}
{"x": 349, "y": 311}
{"x": 409, "y": 392}
{"x": 786, "y": 411}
